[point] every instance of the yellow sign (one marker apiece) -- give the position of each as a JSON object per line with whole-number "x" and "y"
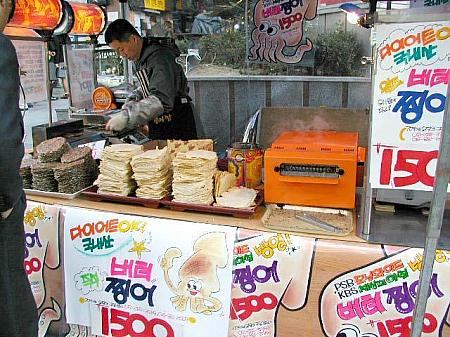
{"x": 155, "y": 4}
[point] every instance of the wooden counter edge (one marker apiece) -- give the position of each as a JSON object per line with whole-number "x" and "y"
{"x": 253, "y": 223}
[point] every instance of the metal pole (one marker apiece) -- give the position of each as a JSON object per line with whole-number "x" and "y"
{"x": 66, "y": 63}
{"x": 247, "y": 62}
{"x": 94, "y": 63}
{"x": 366, "y": 203}
{"x": 126, "y": 65}
{"x": 434, "y": 225}
{"x": 48, "y": 83}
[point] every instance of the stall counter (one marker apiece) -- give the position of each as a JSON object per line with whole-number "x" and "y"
{"x": 252, "y": 223}
{"x": 282, "y": 284}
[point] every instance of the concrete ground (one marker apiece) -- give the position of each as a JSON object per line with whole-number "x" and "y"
{"x": 38, "y": 113}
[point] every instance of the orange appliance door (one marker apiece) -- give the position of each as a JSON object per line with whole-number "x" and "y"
{"x": 310, "y": 178}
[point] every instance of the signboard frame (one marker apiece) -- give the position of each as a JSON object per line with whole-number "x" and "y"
{"x": 46, "y": 68}
{"x": 438, "y": 200}
{"x": 84, "y": 59}
{"x": 390, "y": 17}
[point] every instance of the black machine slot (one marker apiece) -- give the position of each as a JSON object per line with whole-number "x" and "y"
{"x": 309, "y": 170}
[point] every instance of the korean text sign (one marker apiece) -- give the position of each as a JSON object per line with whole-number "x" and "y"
{"x": 379, "y": 299}
{"x": 264, "y": 279}
{"x": 136, "y": 276}
{"x": 410, "y": 86}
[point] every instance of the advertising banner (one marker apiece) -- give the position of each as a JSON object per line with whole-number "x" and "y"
{"x": 128, "y": 275}
{"x": 43, "y": 265}
{"x": 442, "y": 5}
{"x": 410, "y": 86}
{"x": 379, "y": 299}
{"x": 81, "y": 75}
{"x": 269, "y": 270}
{"x": 278, "y": 33}
{"x": 32, "y": 58}
{"x": 135, "y": 276}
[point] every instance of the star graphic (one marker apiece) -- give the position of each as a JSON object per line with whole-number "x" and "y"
{"x": 292, "y": 250}
{"x": 139, "y": 247}
{"x": 372, "y": 323}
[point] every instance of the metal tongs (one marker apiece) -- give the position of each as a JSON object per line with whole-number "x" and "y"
{"x": 319, "y": 223}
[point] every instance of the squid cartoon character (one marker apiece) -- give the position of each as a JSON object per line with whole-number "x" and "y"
{"x": 198, "y": 274}
{"x": 280, "y": 25}
{"x": 351, "y": 330}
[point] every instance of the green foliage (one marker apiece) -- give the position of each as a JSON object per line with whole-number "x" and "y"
{"x": 113, "y": 60}
{"x": 182, "y": 45}
{"x": 118, "y": 63}
{"x": 338, "y": 54}
{"x": 226, "y": 49}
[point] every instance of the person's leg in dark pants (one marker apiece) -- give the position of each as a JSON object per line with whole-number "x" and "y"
{"x": 18, "y": 313}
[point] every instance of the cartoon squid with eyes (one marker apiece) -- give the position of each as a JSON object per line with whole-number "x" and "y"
{"x": 278, "y": 25}
{"x": 198, "y": 274}
{"x": 351, "y": 330}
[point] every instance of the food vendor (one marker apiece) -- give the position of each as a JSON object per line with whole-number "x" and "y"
{"x": 162, "y": 98}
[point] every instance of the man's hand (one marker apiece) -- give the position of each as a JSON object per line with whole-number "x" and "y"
{"x": 5, "y": 214}
{"x": 117, "y": 123}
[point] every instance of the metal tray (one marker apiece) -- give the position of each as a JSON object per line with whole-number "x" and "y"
{"x": 55, "y": 194}
{"x": 285, "y": 219}
{"x": 92, "y": 194}
{"x": 236, "y": 212}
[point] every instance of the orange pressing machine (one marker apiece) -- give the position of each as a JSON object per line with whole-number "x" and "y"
{"x": 312, "y": 168}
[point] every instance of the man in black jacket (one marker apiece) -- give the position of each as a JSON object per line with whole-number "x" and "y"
{"x": 18, "y": 313}
{"x": 162, "y": 99}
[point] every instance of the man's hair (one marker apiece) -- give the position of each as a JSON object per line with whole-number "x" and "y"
{"x": 119, "y": 30}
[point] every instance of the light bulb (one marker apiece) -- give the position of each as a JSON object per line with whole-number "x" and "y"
{"x": 352, "y": 18}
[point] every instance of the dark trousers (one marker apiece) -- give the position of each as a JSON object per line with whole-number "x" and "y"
{"x": 18, "y": 313}
{"x": 177, "y": 124}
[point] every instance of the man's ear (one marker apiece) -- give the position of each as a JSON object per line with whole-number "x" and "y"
{"x": 11, "y": 11}
{"x": 6, "y": 12}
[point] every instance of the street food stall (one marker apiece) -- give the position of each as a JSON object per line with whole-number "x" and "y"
{"x": 172, "y": 240}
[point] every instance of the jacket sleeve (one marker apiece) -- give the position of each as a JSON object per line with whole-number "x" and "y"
{"x": 11, "y": 127}
{"x": 162, "y": 80}
{"x": 136, "y": 95}
{"x": 142, "y": 111}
